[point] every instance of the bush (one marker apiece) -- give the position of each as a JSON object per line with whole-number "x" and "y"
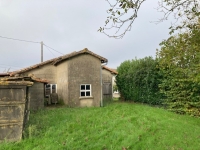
{"x": 179, "y": 60}
{"x": 137, "y": 80}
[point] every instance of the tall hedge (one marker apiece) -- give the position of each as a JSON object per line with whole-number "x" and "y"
{"x": 137, "y": 80}
{"x": 179, "y": 63}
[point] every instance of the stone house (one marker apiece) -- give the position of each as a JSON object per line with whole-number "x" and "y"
{"x": 80, "y": 78}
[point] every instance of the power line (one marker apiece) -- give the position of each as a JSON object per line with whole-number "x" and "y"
{"x": 10, "y": 65}
{"x": 18, "y": 39}
{"x": 50, "y": 51}
{"x": 30, "y": 42}
{"x": 53, "y": 49}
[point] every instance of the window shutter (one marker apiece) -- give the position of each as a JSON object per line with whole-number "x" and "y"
{"x": 107, "y": 88}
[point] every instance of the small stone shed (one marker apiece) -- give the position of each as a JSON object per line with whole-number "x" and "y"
{"x": 13, "y": 109}
{"x": 34, "y": 93}
{"x": 18, "y": 95}
{"x": 80, "y": 78}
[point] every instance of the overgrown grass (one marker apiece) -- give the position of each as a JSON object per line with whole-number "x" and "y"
{"x": 117, "y": 126}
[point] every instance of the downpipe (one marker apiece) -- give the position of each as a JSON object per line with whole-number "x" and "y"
{"x": 101, "y": 81}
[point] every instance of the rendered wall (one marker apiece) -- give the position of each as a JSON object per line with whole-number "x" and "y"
{"x": 84, "y": 69}
{"x": 62, "y": 81}
{"x": 36, "y": 96}
{"x": 48, "y": 72}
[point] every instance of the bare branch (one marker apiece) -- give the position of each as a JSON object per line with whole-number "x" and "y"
{"x": 123, "y": 13}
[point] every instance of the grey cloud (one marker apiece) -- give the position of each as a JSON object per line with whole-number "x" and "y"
{"x": 71, "y": 26}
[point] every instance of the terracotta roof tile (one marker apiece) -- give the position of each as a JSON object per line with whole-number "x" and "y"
{"x": 4, "y": 74}
{"x": 109, "y": 69}
{"x": 32, "y": 78}
{"x": 56, "y": 61}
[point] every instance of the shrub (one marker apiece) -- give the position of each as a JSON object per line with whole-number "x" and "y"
{"x": 179, "y": 60}
{"x": 137, "y": 80}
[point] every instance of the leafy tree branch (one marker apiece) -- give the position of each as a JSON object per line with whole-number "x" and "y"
{"x": 122, "y": 14}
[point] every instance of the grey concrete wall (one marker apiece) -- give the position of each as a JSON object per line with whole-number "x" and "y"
{"x": 47, "y": 71}
{"x": 106, "y": 76}
{"x": 84, "y": 69}
{"x": 62, "y": 81}
{"x": 36, "y": 92}
{"x": 36, "y": 96}
{"x": 12, "y": 108}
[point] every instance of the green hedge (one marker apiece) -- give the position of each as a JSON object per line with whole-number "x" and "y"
{"x": 137, "y": 80}
{"x": 172, "y": 79}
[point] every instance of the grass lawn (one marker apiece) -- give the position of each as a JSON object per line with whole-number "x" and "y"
{"x": 114, "y": 127}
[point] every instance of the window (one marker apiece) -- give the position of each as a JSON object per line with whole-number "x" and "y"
{"x": 85, "y": 90}
{"x": 53, "y": 87}
{"x": 50, "y": 88}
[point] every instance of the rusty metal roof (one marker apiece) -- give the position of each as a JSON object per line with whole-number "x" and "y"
{"x": 111, "y": 70}
{"x": 56, "y": 61}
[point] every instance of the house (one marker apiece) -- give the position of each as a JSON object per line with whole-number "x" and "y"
{"x": 80, "y": 78}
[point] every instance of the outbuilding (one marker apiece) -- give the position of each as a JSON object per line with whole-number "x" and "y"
{"x": 80, "y": 78}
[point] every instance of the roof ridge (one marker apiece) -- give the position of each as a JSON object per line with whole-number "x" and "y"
{"x": 55, "y": 61}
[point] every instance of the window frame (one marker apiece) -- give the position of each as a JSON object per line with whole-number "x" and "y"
{"x": 85, "y": 90}
{"x": 50, "y": 89}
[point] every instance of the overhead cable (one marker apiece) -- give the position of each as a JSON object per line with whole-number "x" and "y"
{"x": 53, "y": 49}
{"x": 50, "y": 51}
{"x": 18, "y": 39}
{"x": 29, "y": 42}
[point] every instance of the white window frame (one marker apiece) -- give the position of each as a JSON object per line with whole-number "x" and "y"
{"x": 90, "y": 90}
{"x": 51, "y": 85}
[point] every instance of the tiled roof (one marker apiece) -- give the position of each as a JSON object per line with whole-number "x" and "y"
{"x": 109, "y": 69}
{"x": 84, "y": 51}
{"x": 16, "y": 79}
{"x": 56, "y": 61}
{"x": 40, "y": 80}
{"x": 4, "y": 74}
{"x": 27, "y": 83}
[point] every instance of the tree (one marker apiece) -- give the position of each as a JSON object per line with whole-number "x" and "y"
{"x": 122, "y": 14}
{"x": 179, "y": 64}
{"x": 115, "y": 88}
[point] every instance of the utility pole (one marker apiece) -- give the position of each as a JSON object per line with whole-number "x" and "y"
{"x": 42, "y": 51}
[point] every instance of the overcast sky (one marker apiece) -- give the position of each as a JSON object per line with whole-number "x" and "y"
{"x": 68, "y": 26}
